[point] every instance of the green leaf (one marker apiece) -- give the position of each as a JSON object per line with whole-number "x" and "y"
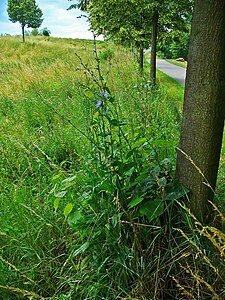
{"x": 152, "y": 209}
{"x": 56, "y": 203}
{"x": 56, "y": 176}
{"x": 175, "y": 191}
{"x": 82, "y": 248}
{"x": 96, "y": 115}
{"x": 139, "y": 142}
{"x": 70, "y": 181}
{"x": 162, "y": 182}
{"x": 60, "y": 194}
{"x": 135, "y": 202}
{"x": 74, "y": 217}
{"x": 68, "y": 209}
{"x": 115, "y": 122}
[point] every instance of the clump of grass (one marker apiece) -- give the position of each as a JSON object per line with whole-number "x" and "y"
{"x": 204, "y": 261}
{"x": 88, "y": 192}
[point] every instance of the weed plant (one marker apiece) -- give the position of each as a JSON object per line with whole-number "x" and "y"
{"x": 88, "y": 195}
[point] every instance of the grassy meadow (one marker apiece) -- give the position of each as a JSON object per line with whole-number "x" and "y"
{"x": 87, "y": 188}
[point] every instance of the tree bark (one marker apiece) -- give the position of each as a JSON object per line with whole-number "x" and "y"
{"x": 204, "y": 106}
{"x": 23, "y": 34}
{"x": 153, "y": 47}
{"x": 141, "y": 58}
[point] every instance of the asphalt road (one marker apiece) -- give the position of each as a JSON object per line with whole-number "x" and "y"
{"x": 177, "y": 73}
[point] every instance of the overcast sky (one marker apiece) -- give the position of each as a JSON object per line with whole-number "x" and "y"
{"x": 57, "y": 19}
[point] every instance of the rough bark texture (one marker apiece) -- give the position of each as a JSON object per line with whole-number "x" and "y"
{"x": 153, "y": 47}
{"x": 204, "y": 105}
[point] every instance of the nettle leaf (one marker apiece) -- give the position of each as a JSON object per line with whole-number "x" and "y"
{"x": 68, "y": 209}
{"x": 152, "y": 209}
{"x": 135, "y": 202}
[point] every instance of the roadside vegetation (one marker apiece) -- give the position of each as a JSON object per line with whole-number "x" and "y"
{"x": 87, "y": 187}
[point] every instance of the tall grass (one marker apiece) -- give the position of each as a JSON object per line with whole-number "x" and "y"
{"x": 87, "y": 193}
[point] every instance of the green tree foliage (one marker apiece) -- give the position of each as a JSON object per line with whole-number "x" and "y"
{"x": 137, "y": 23}
{"x": 34, "y": 32}
{"x": 26, "y": 12}
{"x": 45, "y": 31}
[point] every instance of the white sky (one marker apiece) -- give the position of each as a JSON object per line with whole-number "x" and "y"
{"x": 57, "y": 19}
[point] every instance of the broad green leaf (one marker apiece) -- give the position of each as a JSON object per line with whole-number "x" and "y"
{"x": 152, "y": 209}
{"x": 135, "y": 202}
{"x": 56, "y": 203}
{"x": 82, "y": 248}
{"x": 68, "y": 209}
{"x": 74, "y": 217}
{"x": 175, "y": 191}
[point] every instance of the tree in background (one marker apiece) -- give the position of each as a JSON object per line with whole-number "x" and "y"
{"x": 34, "y": 32}
{"x": 204, "y": 106}
{"x": 45, "y": 31}
{"x": 132, "y": 22}
{"x": 26, "y": 12}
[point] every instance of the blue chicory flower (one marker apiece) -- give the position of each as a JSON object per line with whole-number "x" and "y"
{"x": 104, "y": 94}
{"x": 99, "y": 104}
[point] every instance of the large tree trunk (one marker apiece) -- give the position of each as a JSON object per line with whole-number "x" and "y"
{"x": 153, "y": 47}
{"x": 204, "y": 106}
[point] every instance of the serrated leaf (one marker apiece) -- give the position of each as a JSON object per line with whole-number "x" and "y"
{"x": 68, "y": 209}
{"x": 82, "y": 248}
{"x": 135, "y": 202}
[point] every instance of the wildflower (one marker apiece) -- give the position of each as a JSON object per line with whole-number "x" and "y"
{"x": 136, "y": 85}
{"x": 99, "y": 104}
{"x": 104, "y": 94}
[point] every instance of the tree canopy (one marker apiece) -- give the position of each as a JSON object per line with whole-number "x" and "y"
{"x": 26, "y": 12}
{"x": 136, "y": 23}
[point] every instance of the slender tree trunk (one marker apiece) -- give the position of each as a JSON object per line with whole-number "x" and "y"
{"x": 204, "y": 106}
{"x": 153, "y": 47}
{"x": 23, "y": 34}
{"x": 141, "y": 58}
